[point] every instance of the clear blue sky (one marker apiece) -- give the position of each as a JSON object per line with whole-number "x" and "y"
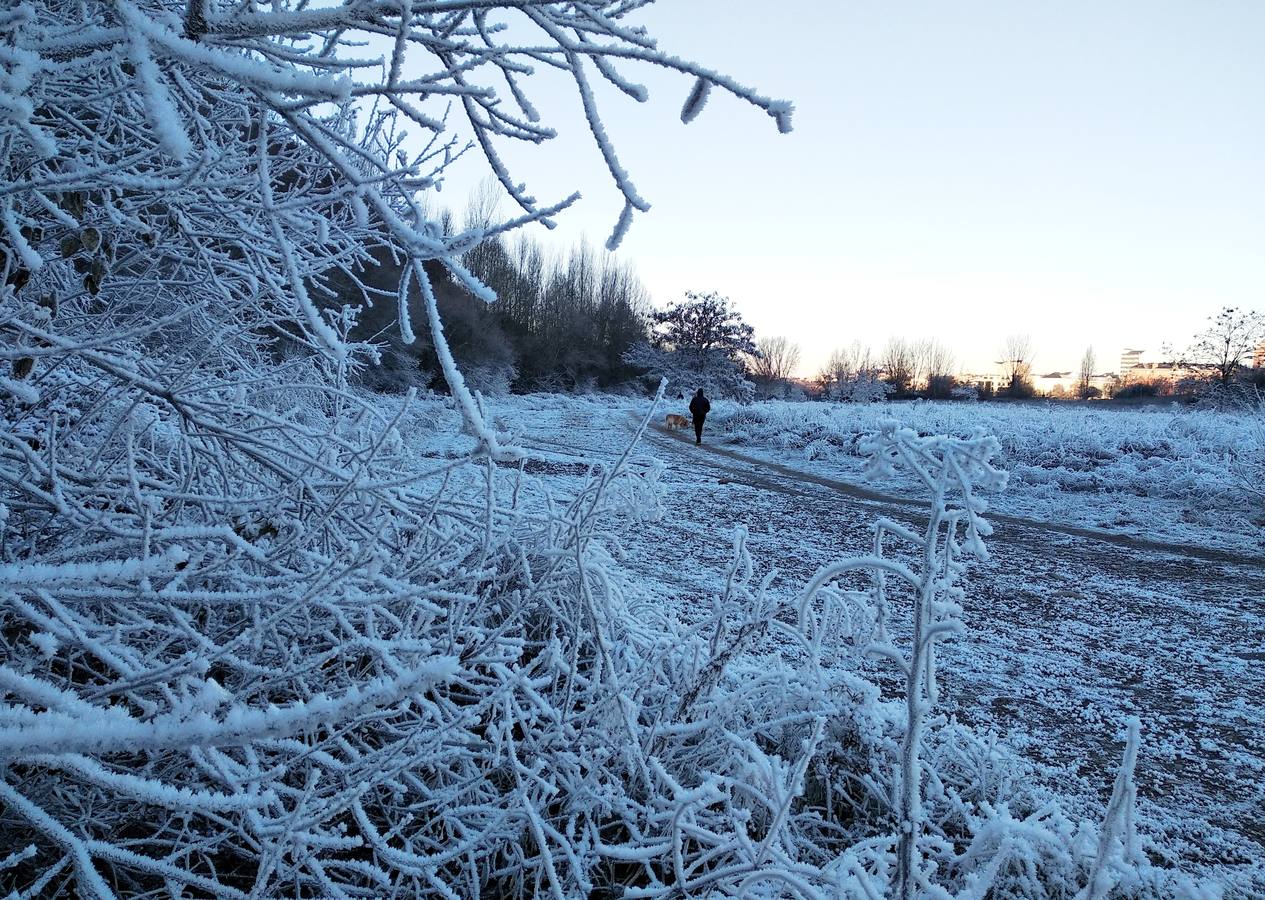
{"x": 1083, "y": 172}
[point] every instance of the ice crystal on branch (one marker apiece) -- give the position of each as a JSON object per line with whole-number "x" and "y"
{"x": 250, "y": 644}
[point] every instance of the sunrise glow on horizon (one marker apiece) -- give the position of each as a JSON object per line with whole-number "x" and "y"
{"x": 1083, "y": 174}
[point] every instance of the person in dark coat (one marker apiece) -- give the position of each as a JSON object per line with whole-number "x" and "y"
{"x": 699, "y": 408}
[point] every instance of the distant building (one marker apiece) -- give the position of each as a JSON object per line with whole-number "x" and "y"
{"x": 1049, "y": 384}
{"x": 1067, "y": 384}
{"x": 1055, "y": 384}
{"x": 1169, "y": 376}
{"x": 989, "y": 383}
{"x": 1258, "y": 356}
{"x": 1128, "y": 360}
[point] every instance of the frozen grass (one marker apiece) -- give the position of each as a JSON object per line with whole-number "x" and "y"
{"x": 263, "y": 634}
{"x": 484, "y": 700}
{"x": 1178, "y": 473}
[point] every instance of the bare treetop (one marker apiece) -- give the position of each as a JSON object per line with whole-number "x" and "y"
{"x": 1229, "y": 340}
{"x": 472, "y": 54}
{"x": 778, "y": 358}
{"x": 268, "y": 145}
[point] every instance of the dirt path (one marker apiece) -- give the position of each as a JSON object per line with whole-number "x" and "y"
{"x": 1070, "y": 630}
{"x": 859, "y": 492}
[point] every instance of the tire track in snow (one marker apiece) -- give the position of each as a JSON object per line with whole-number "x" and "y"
{"x": 858, "y": 492}
{"x": 1071, "y": 629}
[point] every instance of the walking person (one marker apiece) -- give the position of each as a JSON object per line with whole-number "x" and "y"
{"x": 699, "y": 408}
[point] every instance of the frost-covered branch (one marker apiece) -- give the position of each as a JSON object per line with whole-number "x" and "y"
{"x": 253, "y": 644}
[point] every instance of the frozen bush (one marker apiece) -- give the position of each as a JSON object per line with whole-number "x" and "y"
{"x": 249, "y": 644}
{"x": 1202, "y": 458}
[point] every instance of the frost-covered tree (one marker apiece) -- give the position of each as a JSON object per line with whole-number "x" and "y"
{"x": 703, "y": 323}
{"x": 1229, "y": 340}
{"x": 777, "y": 359}
{"x": 899, "y": 364}
{"x": 851, "y": 375}
{"x": 571, "y": 316}
{"x": 270, "y": 142}
{"x": 773, "y": 368}
{"x": 248, "y": 644}
{"x": 911, "y": 366}
{"x": 1085, "y": 379}
{"x": 1016, "y": 366}
{"x": 700, "y": 341}
{"x": 933, "y": 367}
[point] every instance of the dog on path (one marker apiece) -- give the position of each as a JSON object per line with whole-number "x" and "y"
{"x": 675, "y": 421}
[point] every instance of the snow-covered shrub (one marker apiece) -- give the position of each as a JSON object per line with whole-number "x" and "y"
{"x": 494, "y": 381}
{"x": 415, "y": 691}
{"x": 249, "y": 643}
{"x": 1247, "y": 465}
{"x": 863, "y": 387}
{"x": 640, "y": 494}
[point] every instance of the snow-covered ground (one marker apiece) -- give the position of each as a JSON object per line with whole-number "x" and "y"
{"x": 1171, "y": 473}
{"x": 1068, "y": 632}
{"x": 719, "y": 685}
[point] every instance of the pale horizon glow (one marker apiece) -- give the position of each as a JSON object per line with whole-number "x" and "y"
{"x": 1087, "y": 174}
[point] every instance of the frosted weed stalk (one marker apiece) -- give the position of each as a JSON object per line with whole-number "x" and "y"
{"x": 946, "y": 467}
{"x": 927, "y": 808}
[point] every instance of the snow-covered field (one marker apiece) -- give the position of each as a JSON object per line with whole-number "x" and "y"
{"x": 626, "y": 654}
{"x": 1172, "y": 473}
{"x": 264, "y": 633}
{"x": 1066, "y": 635}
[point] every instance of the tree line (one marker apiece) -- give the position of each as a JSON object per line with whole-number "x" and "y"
{"x": 901, "y": 369}
{"x": 581, "y": 320}
{"x": 561, "y": 321}
{"x": 577, "y": 320}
